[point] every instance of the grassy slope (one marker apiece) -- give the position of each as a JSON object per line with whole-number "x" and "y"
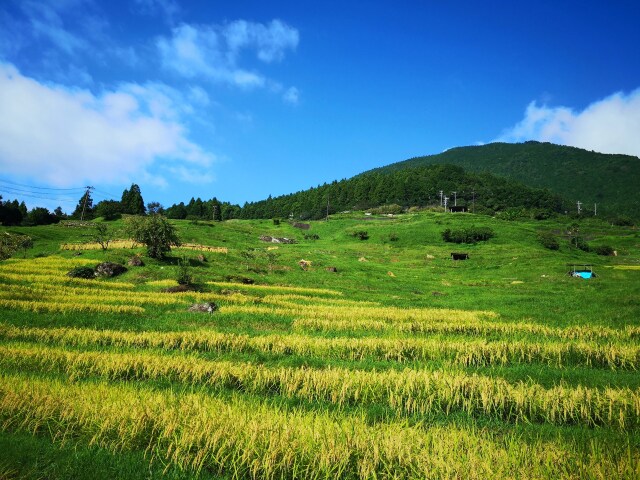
{"x": 511, "y": 274}
{"x": 574, "y": 173}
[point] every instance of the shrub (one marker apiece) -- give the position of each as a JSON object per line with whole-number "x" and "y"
{"x": 622, "y": 221}
{"x": 387, "y": 209}
{"x": 155, "y": 232}
{"x": 82, "y": 272}
{"x": 361, "y": 234}
{"x": 468, "y": 235}
{"x": 11, "y": 243}
{"x": 549, "y": 240}
{"x": 393, "y": 237}
{"x": 605, "y": 250}
{"x": 582, "y": 244}
{"x": 311, "y": 236}
{"x": 184, "y": 274}
{"x": 276, "y": 221}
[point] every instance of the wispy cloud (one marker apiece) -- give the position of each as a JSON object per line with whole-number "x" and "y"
{"x": 610, "y": 125}
{"x": 213, "y": 52}
{"x": 71, "y": 136}
{"x": 291, "y": 96}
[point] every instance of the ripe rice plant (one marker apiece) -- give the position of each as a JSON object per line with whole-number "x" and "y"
{"x": 65, "y": 307}
{"x": 277, "y": 288}
{"x": 124, "y": 244}
{"x": 457, "y": 352}
{"x": 202, "y": 248}
{"x": 61, "y": 279}
{"x": 407, "y": 392}
{"x": 470, "y": 327}
{"x": 296, "y": 299}
{"x": 246, "y": 439}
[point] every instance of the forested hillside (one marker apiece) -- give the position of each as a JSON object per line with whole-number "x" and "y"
{"x": 416, "y": 186}
{"x": 611, "y": 181}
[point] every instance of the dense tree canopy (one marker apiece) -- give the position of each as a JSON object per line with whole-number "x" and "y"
{"x": 419, "y": 186}
{"x": 132, "y": 202}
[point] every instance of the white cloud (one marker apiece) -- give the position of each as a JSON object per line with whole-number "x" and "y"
{"x": 270, "y": 41}
{"x": 213, "y": 52}
{"x": 610, "y": 125}
{"x": 292, "y": 96}
{"x": 67, "y": 137}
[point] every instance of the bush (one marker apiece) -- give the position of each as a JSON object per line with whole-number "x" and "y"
{"x": 468, "y": 235}
{"x": 82, "y": 272}
{"x": 11, "y": 243}
{"x": 548, "y": 240}
{"x": 184, "y": 273}
{"x": 387, "y": 209}
{"x": 311, "y": 236}
{"x": 605, "y": 250}
{"x": 393, "y": 237}
{"x": 361, "y": 234}
{"x": 276, "y": 221}
{"x": 582, "y": 244}
{"x": 622, "y": 221}
{"x": 155, "y": 232}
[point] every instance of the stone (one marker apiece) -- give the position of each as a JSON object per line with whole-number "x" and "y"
{"x": 109, "y": 269}
{"x": 135, "y": 261}
{"x": 208, "y": 307}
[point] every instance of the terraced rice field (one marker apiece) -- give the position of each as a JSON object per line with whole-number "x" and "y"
{"x": 320, "y": 386}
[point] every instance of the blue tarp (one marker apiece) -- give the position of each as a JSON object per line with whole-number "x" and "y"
{"x": 584, "y": 274}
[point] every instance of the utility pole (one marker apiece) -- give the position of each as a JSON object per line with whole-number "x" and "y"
{"x": 579, "y": 207}
{"x": 473, "y": 205}
{"x": 213, "y": 214}
{"x": 446, "y": 199}
{"x": 84, "y": 205}
{"x": 595, "y": 209}
{"x": 455, "y": 199}
{"x": 441, "y": 192}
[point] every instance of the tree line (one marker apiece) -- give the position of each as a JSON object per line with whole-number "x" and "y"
{"x": 410, "y": 187}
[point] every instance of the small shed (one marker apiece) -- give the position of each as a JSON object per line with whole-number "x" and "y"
{"x": 459, "y": 256}
{"x": 584, "y": 270}
{"x": 458, "y": 209}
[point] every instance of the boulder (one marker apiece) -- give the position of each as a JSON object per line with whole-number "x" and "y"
{"x": 332, "y": 269}
{"x": 208, "y": 307}
{"x": 109, "y": 269}
{"x": 135, "y": 261}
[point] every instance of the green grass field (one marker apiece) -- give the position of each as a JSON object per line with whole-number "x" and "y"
{"x": 400, "y": 364}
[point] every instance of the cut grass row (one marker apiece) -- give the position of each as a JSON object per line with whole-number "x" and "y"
{"x": 457, "y": 352}
{"x": 246, "y": 439}
{"x": 407, "y": 392}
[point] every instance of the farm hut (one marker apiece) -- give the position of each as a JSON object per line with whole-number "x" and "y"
{"x": 581, "y": 271}
{"x": 459, "y": 256}
{"x": 458, "y": 209}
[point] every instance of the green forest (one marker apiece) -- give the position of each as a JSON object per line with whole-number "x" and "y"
{"x": 610, "y": 181}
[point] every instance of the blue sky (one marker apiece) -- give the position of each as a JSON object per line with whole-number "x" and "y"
{"x": 240, "y": 100}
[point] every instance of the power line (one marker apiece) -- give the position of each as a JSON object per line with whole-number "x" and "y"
{"x": 41, "y": 188}
{"x": 20, "y": 191}
{"x": 58, "y": 199}
{"x": 111, "y": 195}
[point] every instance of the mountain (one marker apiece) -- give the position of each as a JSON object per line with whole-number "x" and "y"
{"x": 610, "y": 181}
